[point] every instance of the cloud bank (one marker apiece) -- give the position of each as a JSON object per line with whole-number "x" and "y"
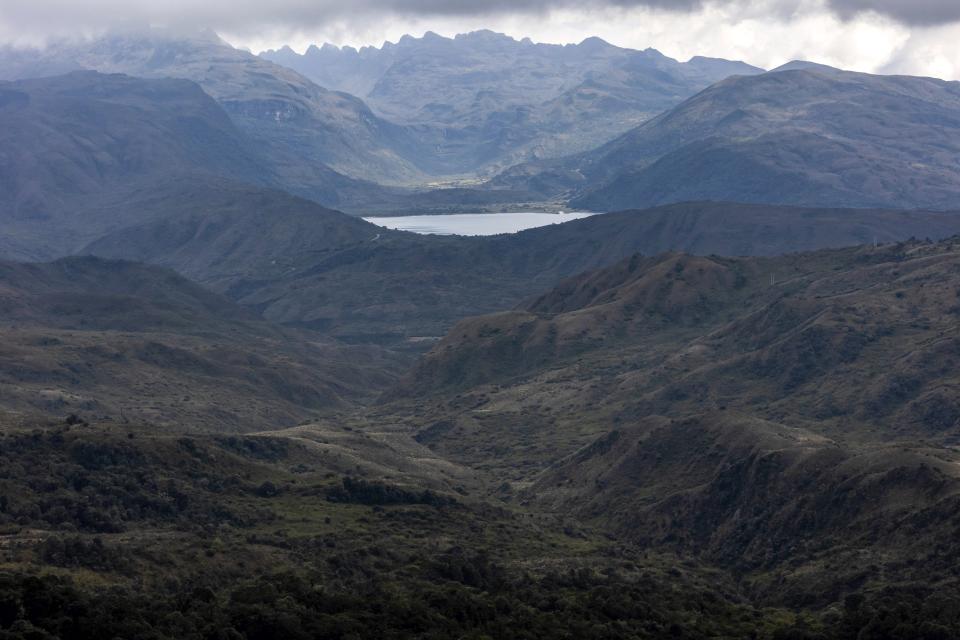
{"x": 250, "y": 15}
{"x": 914, "y": 36}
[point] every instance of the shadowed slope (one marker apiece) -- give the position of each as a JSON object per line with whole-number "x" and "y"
{"x": 310, "y": 135}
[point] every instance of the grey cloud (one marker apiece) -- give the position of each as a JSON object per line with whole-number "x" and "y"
{"x": 253, "y": 16}
{"x": 912, "y": 12}
{"x": 249, "y": 16}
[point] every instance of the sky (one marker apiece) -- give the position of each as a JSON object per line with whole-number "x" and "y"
{"x": 883, "y": 36}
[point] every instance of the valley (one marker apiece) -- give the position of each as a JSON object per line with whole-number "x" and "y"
{"x": 691, "y": 404}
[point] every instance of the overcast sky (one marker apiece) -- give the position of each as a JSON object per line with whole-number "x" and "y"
{"x": 886, "y": 36}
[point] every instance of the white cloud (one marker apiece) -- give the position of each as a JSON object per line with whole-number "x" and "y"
{"x": 928, "y": 52}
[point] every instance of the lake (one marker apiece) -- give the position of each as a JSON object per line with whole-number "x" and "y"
{"x": 474, "y": 224}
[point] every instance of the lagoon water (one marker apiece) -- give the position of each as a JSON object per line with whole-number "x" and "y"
{"x": 474, "y": 224}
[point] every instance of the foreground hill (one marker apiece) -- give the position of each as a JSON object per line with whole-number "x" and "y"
{"x": 299, "y": 264}
{"x": 277, "y": 535}
{"x": 122, "y": 342}
{"x": 793, "y": 419}
{"x": 813, "y": 136}
{"x": 491, "y": 101}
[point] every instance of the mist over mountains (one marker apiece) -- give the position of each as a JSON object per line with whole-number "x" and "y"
{"x": 726, "y": 406}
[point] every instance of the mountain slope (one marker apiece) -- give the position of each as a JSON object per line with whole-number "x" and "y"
{"x": 813, "y": 136}
{"x": 120, "y": 341}
{"x": 485, "y": 100}
{"x": 800, "y": 334}
{"x": 792, "y": 419}
{"x": 70, "y": 140}
{"x": 216, "y": 229}
{"x": 87, "y": 153}
{"x": 779, "y": 502}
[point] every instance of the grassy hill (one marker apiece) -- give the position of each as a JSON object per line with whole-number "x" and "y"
{"x": 124, "y": 342}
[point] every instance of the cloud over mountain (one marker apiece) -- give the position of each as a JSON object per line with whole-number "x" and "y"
{"x": 244, "y": 15}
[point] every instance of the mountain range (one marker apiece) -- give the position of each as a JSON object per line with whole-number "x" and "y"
{"x": 491, "y": 101}
{"x": 156, "y": 171}
{"x": 320, "y": 141}
{"x": 803, "y": 134}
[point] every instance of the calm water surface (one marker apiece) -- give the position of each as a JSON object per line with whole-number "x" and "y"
{"x": 475, "y": 224}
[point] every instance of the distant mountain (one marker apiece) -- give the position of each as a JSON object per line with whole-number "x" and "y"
{"x": 484, "y": 100}
{"x": 342, "y": 69}
{"x": 117, "y": 341}
{"x": 88, "y": 153}
{"x": 811, "y": 136}
{"x": 308, "y": 134}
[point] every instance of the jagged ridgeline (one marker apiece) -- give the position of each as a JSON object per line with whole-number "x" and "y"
{"x": 490, "y": 101}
